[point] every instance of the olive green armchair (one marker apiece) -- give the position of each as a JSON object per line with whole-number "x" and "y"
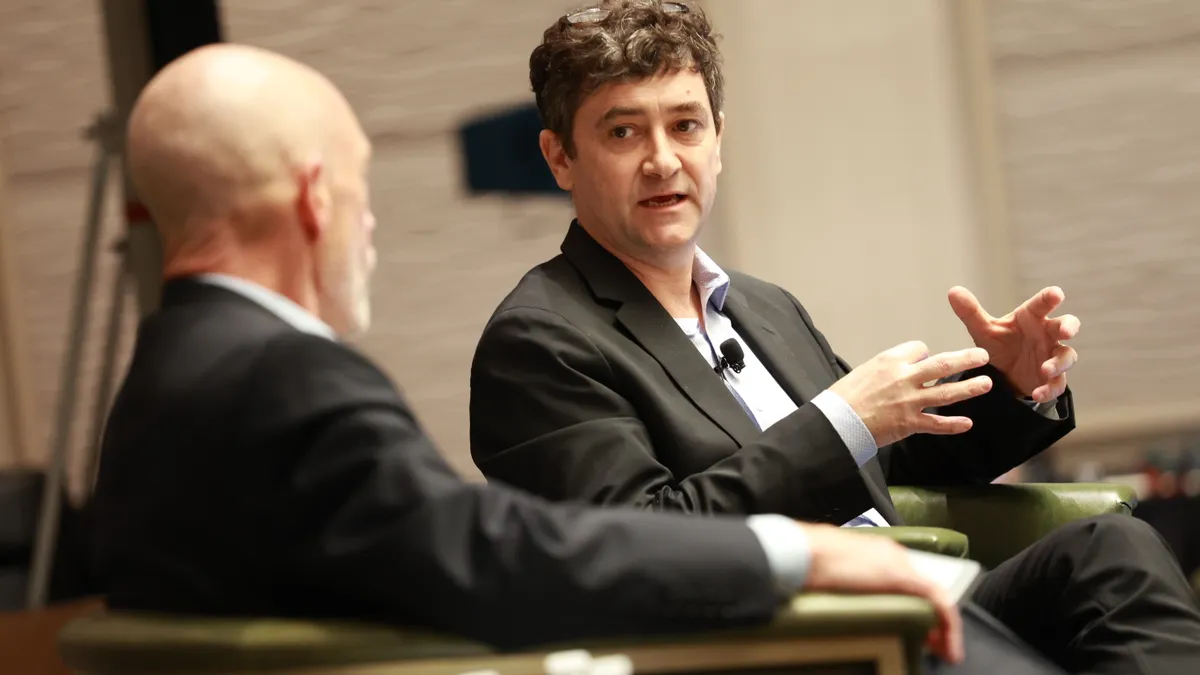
{"x": 815, "y": 633}
{"x": 991, "y": 523}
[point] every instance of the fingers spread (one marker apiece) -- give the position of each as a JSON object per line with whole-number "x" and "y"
{"x": 1064, "y": 327}
{"x": 1046, "y": 301}
{"x": 950, "y": 363}
{"x": 1051, "y": 390}
{"x": 948, "y": 393}
{"x": 928, "y": 423}
{"x": 1061, "y": 360}
{"x": 912, "y": 352}
{"x": 967, "y": 308}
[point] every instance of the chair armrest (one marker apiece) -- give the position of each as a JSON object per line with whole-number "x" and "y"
{"x": 139, "y": 644}
{"x": 135, "y": 643}
{"x": 818, "y": 614}
{"x": 930, "y": 539}
{"x": 1001, "y": 520}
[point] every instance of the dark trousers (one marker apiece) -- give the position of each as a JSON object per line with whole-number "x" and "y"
{"x": 1099, "y": 596}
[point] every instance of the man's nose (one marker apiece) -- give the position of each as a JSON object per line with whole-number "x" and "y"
{"x": 662, "y": 161}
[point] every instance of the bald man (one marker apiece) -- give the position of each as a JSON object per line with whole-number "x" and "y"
{"x": 255, "y": 465}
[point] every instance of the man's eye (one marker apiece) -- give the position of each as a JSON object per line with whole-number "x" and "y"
{"x": 621, "y": 132}
{"x": 688, "y": 126}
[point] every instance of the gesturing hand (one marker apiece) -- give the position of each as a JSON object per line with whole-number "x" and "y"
{"x": 1025, "y": 344}
{"x": 889, "y": 394}
{"x": 847, "y": 562}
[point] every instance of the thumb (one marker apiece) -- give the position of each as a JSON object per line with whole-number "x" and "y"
{"x": 967, "y": 308}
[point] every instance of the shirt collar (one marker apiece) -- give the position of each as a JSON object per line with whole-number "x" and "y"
{"x": 710, "y": 280}
{"x": 295, "y": 315}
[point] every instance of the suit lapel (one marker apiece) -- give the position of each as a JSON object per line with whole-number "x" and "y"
{"x": 659, "y": 335}
{"x": 783, "y": 363}
{"x": 644, "y": 318}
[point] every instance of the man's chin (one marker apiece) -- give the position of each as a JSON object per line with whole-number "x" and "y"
{"x": 670, "y": 236}
{"x": 359, "y": 324}
{"x": 350, "y": 320}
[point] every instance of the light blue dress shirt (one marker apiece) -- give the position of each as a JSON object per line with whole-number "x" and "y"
{"x": 783, "y": 541}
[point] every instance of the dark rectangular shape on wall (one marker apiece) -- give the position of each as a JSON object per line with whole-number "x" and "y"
{"x": 501, "y": 154}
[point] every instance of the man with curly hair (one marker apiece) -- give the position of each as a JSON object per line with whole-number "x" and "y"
{"x": 631, "y": 370}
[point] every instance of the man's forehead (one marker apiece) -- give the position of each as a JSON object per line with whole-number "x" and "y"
{"x": 674, "y": 83}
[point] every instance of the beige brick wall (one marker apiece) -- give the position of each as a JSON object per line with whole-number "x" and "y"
{"x": 1100, "y": 122}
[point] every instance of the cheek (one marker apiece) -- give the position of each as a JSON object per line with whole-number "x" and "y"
{"x": 368, "y": 239}
{"x": 707, "y": 167}
{"x": 621, "y": 183}
{"x": 606, "y": 177}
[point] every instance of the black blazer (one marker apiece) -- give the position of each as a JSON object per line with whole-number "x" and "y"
{"x": 251, "y": 469}
{"x": 584, "y": 388}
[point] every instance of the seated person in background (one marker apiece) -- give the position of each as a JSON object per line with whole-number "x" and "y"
{"x": 600, "y": 378}
{"x": 254, "y": 465}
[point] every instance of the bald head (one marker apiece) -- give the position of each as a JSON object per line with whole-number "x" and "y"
{"x": 254, "y": 165}
{"x": 227, "y": 127}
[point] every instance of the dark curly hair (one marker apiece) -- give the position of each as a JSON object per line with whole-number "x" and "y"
{"x": 634, "y": 39}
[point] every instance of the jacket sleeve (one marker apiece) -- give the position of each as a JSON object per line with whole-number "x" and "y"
{"x": 1006, "y": 432}
{"x": 547, "y": 416}
{"x": 370, "y": 522}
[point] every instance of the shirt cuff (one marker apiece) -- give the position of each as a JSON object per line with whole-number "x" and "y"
{"x": 849, "y": 426}
{"x": 1047, "y": 409}
{"x": 789, "y": 553}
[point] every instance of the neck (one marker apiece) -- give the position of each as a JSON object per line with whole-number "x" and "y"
{"x": 262, "y": 266}
{"x": 666, "y": 274}
{"x": 669, "y": 280}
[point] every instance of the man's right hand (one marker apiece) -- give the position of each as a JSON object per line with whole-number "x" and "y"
{"x": 889, "y": 394}
{"x": 846, "y": 562}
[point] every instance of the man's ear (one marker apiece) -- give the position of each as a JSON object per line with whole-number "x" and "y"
{"x": 312, "y": 202}
{"x": 556, "y": 159}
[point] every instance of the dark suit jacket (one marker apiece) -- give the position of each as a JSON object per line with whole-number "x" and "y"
{"x": 584, "y": 388}
{"x": 252, "y": 469}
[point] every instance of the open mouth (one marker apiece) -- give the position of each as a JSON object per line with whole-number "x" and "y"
{"x": 663, "y": 201}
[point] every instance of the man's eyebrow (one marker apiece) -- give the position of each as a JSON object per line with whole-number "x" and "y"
{"x": 692, "y": 107}
{"x": 620, "y": 111}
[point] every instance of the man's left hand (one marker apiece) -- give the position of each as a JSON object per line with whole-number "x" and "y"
{"x": 1025, "y": 344}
